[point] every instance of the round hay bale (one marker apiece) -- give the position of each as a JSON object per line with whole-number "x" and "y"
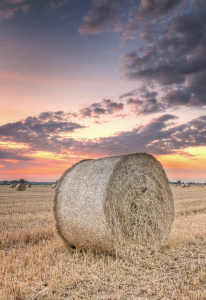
{"x": 54, "y": 186}
{"x": 175, "y": 185}
{"x": 12, "y": 186}
{"x": 21, "y": 187}
{"x": 202, "y": 185}
{"x": 187, "y": 185}
{"x": 28, "y": 185}
{"x": 121, "y": 204}
{"x": 183, "y": 185}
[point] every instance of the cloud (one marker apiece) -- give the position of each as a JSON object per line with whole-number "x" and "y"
{"x": 148, "y": 10}
{"x": 129, "y": 94}
{"x": 156, "y": 8}
{"x": 159, "y": 137}
{"x": 16, "y": 1}
{"x": 177, "y": 97}
{"x": 105, "y": 107}
{"x": 14, "y": 155}
{"x": 58, "y": 3}
{"x": 146, "y": 102}
{"x": 49, "y": 131}
{"x": 173, "y": 57}
{"x": 191, "y": 134}
{"x": 107, "y": 17}
{"x": 8, "y": 13}
{"x": 45, "y": 132}
{"x": 144, "y": 107}
{"x": 26, "y": 8}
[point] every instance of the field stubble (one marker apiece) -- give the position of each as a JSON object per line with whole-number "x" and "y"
{"x": 36, "y": 264}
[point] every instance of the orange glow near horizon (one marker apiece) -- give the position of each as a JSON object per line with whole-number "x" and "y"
{"x": 176, "y": 161}
{"x": 14, "y": 161}
{"x": 51, "y": 165}
{"x": 13, "y": 145}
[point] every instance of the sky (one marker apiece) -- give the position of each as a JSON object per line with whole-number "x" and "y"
{"x": 93, "y": 78}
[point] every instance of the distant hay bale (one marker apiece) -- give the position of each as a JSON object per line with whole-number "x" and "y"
{"x": 21, "y": 187}
{"x": 187, "y": 185}
{"x": 121, "y": 204}
{"x": 175, "y": 185}
{"x": 183, "y": 185}
{"x": 54, "y": 186}
{"x": 28, "y": 185}
{"x": 202, "y": 185}
{"x": 12, "y": 186}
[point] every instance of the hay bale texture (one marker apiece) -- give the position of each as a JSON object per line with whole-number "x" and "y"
{"x": 120, "y": 204}
{"x": 21, "y": 187}
{"x": 12, "y": 186}
{"x": 54, "y": 186}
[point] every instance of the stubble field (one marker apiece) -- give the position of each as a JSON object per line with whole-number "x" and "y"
{"x": 36, "y": 264}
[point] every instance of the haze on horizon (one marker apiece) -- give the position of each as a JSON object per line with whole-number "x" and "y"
{"x": 93, "y": 78}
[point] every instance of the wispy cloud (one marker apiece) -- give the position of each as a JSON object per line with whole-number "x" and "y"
{"x": 26, "y": 8}
{"x": 107, "y": 17}
{"x": 105, "y": 107}
{"x": 16, "y": 1}
{"x": 58, "y": 3}
{"x": 8, "y": 13}
{"x": 16, "y": 5}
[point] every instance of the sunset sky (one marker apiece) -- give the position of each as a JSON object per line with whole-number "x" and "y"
{"x": 93, "y": 78}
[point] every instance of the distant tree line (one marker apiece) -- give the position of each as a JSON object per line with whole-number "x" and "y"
{"x": 179, "y": 182}
{"x": 6, "y": 182}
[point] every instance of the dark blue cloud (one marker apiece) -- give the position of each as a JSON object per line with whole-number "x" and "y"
{"x": 173, "y": 57}
{"x": 106, "y": 17}
{"x": 105, "y": 107}
{"x": 43, "y": 132}
{"x": 160, "y": 136}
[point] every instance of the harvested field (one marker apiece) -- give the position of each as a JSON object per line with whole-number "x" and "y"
{"x": 36, "y": 264}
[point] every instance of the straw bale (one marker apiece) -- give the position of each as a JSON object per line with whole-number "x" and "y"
{"x": 121, "y": 204}
{"x": 28, "y": 185}
{"x": 183, "y": 185}
{"x": 21, "y": 187}
{"x": 12, "y": 186}
{"x": 187, "y": 185}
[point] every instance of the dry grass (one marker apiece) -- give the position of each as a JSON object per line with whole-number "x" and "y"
{"x": 36, "y": 264}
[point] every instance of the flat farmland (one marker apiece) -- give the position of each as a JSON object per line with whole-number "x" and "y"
{"x": 36, "y": 264}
